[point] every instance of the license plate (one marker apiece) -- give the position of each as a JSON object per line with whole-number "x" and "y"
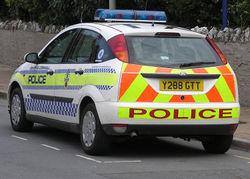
{"x": 181, "y": 85}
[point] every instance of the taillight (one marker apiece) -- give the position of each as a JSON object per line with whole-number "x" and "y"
{"x": 218, "y": 51}
{"x": 119, "y": 47}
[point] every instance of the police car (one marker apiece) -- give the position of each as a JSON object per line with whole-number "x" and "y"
{"x": 128, "y": 74}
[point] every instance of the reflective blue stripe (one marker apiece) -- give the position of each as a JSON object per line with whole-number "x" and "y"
{"x": 99, "y": 70}
{"x": 32, "y": 72}
{"x": 104, "y": 87}
{"x": 87, "y": 70}
{"x": 72, "y": 87}
{"x": 51, "y": 107}
{"x": 65, "y": 70}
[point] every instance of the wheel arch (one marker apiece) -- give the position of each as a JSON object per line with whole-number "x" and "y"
{"x": 12, "y": 86}
{"x": 89, "y": 93}
{"x": 86, "y": 100}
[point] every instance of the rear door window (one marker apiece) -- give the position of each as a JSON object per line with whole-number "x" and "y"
{"x": 83, "y": 49}
{"x": 90, "y": 47}
{"x": 171, "y": 52}
{"x": 102, "y": 51}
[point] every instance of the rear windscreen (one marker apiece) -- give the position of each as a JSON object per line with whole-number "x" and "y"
{"x": 171, "y": 52}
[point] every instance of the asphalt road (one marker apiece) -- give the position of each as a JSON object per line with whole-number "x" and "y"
{"x": 49, "y": 153}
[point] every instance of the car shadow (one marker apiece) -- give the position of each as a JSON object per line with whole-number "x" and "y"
{"x": 57, "y": 136}
{"x": 127, "y": 147}
{"x": 156, "y": 147}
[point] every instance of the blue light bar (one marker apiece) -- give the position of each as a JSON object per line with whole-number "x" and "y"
{"x": 130, "y": 15}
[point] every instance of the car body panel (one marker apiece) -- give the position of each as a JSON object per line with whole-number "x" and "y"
{"x": 126, "y": 93}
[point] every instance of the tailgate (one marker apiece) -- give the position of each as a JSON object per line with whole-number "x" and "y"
{"x": 164, "y": 85}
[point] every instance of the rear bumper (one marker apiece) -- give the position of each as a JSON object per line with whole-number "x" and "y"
{"x": 146, "y": 114}
{"x": 173, "y": 130}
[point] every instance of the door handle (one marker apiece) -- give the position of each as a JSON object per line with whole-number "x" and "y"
{"x": 79, "y": 72}
{"x": 50, "y": 72}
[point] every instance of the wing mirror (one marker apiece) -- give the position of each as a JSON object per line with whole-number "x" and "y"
{"x": 31, "y": 57}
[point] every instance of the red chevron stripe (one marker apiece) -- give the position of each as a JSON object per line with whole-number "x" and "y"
{"x": 213, "y": 95}
{"x": 199, "y": 70}
{"x": 148, "y": 95}
{"x": 126, "y": 81}
{"x": 223, "y": 69}
{"x": 133, "y": 68}
{"x": 163, "y": 70}
{"x": 230, "y": 82}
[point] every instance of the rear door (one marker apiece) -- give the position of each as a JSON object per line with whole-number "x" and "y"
{"x": 71, "y": 75}
{"x": 86, "y": 72}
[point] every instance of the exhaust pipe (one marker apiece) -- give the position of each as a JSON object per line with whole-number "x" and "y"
{"x": 133, "y": 134}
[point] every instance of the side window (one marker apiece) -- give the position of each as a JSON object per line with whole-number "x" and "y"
{"x": 102, "y": 51}
{"x": 82, "y": 50}
{"x": 55, "y": 52}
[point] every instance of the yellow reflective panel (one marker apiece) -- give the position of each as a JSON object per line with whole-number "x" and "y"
{"x": 224, "y": 90}
{"x": 20, "y": 77}
{"x": 162, "y": 98}
{"x": 188, "y": 71}
{"x": 148, "y": 69}
{"x": 178, "y": 114}
{"x": 39, "y": 80}
{"x": 70, "y": 79}
{"x": 135, "y": 89}
{"x": 213, "y": 70}
{"x": 109, "y": 79}
{"x": 124, "y": 66}
{"x": 202, "y": 98}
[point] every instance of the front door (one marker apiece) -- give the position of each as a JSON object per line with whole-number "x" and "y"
{"x": 41, "y": 83}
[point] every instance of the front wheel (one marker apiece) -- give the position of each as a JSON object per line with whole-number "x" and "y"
{"x": 93, "y": 138}
{"x": 217, "y": 144}
{"x": 17, "y": 112}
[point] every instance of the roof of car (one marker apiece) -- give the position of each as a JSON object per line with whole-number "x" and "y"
{"x": 138, "y": 29}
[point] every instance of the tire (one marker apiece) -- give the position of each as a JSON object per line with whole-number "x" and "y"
{"x": 218, "y": 144}
{"x": 17, "y": 112}
{"x": 94, "y": 140}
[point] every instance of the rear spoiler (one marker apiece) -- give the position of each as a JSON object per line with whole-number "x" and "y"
{"x": 181, "y": 76}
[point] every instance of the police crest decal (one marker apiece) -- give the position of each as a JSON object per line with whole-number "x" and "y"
{"x": 66, "y": 79}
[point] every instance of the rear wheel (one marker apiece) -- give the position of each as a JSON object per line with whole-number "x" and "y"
{"x": 17, "y": 112}
{"x": 94, "y": 140}
{"x": 217, "y": 144}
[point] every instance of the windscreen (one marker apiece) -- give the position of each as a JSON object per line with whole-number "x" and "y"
{"x": 171, "y": 52}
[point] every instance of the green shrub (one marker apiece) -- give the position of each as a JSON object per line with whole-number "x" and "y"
{"x": 186, "y": 13}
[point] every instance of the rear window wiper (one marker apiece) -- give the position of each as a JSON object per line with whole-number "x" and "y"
{"x": 195, "y": 64}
